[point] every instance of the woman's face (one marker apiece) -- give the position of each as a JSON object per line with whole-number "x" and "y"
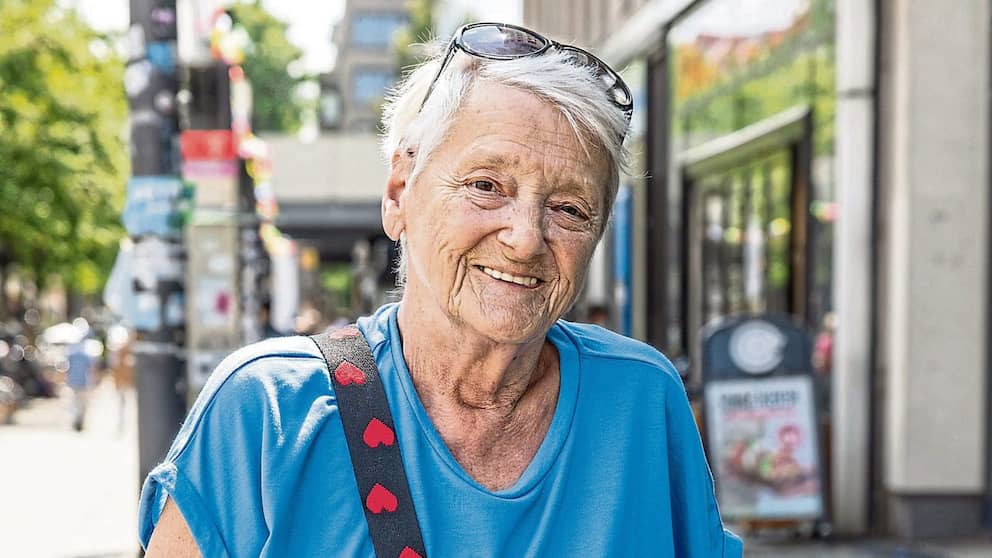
{"x": 503, "y": 219}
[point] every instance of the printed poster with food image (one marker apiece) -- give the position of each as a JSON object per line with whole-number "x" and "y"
{"x": 763, "y": 447}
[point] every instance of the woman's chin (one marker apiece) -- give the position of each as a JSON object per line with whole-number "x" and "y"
{"x": 507, "y": 324}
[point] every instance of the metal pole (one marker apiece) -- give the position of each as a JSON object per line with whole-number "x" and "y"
{"x": 657, "y": 194}
{"x": 250, "y": 257}
{"x": 159, "y": 351}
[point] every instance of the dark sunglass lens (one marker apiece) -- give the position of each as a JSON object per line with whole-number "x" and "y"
{"x": 580, "y": 57}
{"x": 493, "y": 40}
{"x": 608, "y": 78}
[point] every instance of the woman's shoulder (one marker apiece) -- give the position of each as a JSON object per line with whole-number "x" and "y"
{"x": 262, "y": 409}
{"x": 259, "y": 387}
{"x": 280, "y": 361}
{"x": 596, "y": 343}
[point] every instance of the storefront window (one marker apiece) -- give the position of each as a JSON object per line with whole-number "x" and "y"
{"x": 745, "y": 219}
{"x": 734, "y": 63}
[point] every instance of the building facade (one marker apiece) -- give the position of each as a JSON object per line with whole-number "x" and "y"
{"x": 365, "y": 67}
{"x": 330, "y": 186}
{"x": 826, "y": 160}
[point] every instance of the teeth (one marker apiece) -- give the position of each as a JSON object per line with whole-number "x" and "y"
{"x": 525, "y": 281}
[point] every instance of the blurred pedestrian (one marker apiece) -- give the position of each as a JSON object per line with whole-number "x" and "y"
{"x": 121, "y": 363}
{"x": 598, "y": 314}
{"x": 308, "y": 320}
{"x": 823, "y": 347}
{"x": 265, "y": 318}
{"x": 79, "y": 379}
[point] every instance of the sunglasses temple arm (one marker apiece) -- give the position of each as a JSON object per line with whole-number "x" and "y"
{"x": 437, "y": 76}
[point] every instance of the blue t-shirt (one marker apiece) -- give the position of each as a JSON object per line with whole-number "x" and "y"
{"x": 261, "y": 466}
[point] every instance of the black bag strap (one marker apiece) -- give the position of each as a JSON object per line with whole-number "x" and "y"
{"x": 373, "y": 444}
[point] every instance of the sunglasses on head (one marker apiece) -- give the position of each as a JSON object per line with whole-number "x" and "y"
{"x": 502, "y": 41}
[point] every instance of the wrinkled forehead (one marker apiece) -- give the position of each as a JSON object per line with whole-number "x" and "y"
{"x": 516, "y": 130}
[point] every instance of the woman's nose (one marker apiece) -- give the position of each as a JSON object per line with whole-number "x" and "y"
{"x": 524, "y": 233}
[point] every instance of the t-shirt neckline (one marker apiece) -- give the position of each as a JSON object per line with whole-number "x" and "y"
{"x": 554, "y": 440}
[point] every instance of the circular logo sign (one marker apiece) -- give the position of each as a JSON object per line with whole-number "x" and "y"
{"x": 756, "y": 347}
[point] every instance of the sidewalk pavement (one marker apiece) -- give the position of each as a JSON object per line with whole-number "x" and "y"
{"x": 67, "y": 494}
{"x": 974, "y": 548}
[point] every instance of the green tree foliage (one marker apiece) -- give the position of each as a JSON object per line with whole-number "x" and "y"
{"x": 420, "y": 30}
{"x": 265, "y": 65}
{"x": 63, "y": 159}
{"x": 714, "y": 100}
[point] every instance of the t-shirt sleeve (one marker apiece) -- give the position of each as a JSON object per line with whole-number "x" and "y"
{"x": 699, "y": 531}
{"x": 213, "y": 470}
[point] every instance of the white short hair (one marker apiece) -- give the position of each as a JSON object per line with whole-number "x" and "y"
{"x": 575, "y": 90}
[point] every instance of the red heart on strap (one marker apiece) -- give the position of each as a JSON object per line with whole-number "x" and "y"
{"x": 346, "y": 331}
{"x": 347, "y": 373}
{"x": 379, "y": 499}
{"x": 378, "y": 433}
{"x": 408, "y": 552}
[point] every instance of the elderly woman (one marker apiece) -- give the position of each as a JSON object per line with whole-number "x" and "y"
{"x": 515, "y": 433}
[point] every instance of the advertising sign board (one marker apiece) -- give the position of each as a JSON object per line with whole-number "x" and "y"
{"x": 763, "y": 448}
{"x": 761, "y": 420}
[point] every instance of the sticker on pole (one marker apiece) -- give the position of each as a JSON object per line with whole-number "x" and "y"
{"x": 156, "y": 205}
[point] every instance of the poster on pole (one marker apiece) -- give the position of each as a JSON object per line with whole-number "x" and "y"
{"x": 764, "y": 447}
{"x": 154, "y": 206}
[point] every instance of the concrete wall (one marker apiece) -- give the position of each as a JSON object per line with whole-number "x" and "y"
{"x": 934, "y": 135}
{"x": 337, "y": 167}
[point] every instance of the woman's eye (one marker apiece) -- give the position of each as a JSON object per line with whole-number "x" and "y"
{"x": 483, "y": 185}
{"x": 572, "y": 210}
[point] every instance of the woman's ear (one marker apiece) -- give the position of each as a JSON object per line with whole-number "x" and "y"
{"x": 393, "y": 214}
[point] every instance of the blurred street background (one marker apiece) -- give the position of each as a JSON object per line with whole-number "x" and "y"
{"x": 806, "y": 235}
{"x": 67, "y": 493}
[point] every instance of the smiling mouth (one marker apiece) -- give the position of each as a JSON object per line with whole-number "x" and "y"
{"x": 522, "y": 280}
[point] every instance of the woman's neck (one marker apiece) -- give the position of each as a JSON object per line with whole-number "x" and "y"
{"x": 492, "y": 403}
{"x": 455, "y": 367}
